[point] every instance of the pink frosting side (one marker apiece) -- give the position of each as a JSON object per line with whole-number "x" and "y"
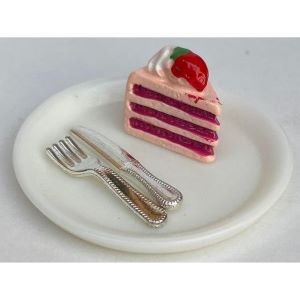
{"x": 206, "y": 100}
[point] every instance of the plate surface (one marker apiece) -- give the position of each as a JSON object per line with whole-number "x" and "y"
{"x": 252, "y": 169}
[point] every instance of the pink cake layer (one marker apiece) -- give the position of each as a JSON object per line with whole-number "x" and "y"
{"x": 197, "y": 112}
{"x": 172, "y": 123}
{"x": 170, "y": 145}
{"x": 159, "y": 106}
{"x": 199, "y": 148}
{"x": 158, "y": 123}
{"x": 206, "y": 100}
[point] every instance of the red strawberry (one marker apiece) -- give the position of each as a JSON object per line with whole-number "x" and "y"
{"x": 193, "y": 68}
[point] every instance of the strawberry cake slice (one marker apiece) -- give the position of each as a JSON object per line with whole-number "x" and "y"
{"x": 171, "y": 103}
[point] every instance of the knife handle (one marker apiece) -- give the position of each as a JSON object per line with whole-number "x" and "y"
{"x": 167, "y": 196}
{"x": 145, "y": 208}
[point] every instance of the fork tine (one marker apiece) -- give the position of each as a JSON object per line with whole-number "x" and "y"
{"x": 71, "y": 143}
{"x": 68, "y": 151}
{"x": 62, "y": 156}
{"x": 51, "y": 153}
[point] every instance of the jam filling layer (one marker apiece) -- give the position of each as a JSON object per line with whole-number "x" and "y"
{"x": 205, "y": 133}
{"x": 199, "y": 148}
{"x": 141, "y": 91}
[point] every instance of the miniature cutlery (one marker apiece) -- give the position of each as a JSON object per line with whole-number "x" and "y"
{"x": 167, "y": 195}
{"x": 73, "y": 160}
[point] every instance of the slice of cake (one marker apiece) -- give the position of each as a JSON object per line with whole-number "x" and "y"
{"x": 171, "y": 103}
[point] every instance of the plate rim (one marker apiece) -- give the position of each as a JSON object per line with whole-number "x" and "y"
{"x": 175, "y": 242}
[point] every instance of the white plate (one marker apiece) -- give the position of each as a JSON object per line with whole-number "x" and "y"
{"x": 252, "y": 169}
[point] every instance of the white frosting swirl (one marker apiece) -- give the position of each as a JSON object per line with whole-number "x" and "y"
{"x": 160, "y": 64}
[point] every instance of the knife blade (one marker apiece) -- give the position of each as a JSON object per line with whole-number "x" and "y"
{"x": 107, "y": 148}
{"x": 167, "y": 195}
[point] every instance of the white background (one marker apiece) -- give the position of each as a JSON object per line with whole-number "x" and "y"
{"x": 262, "y": 71}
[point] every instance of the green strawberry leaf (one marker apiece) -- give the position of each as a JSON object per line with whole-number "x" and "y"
{"x": 178, "y": 51}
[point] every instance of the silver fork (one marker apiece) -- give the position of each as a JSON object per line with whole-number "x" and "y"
{"x": 73, "y": 160}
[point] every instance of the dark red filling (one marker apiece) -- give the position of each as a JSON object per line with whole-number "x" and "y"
{"x": 199, "y": 148}
{"x": 141, "y": 91}
{"x": 196, "y": 129}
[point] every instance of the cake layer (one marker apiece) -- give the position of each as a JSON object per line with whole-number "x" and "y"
{"x": 159, "y": 106}
{"x": 197, "y": 112}
{"x": 172, "y": 123}
{"x": 167, "y": 144}
{"x": 206, "y": 100}
{"x": 197, "y": 147}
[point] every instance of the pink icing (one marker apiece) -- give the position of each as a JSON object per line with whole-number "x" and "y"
{"x": 196, "y": 129}
{"x": 141, "y": 91}
{"x": 199, "y": 148}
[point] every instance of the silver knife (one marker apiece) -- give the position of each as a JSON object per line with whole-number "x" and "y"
{"x": 168, "y": 196}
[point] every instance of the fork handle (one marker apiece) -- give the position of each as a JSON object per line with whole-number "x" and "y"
{"x": 168, "y": 196}
{"x": 145, "y": 208}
